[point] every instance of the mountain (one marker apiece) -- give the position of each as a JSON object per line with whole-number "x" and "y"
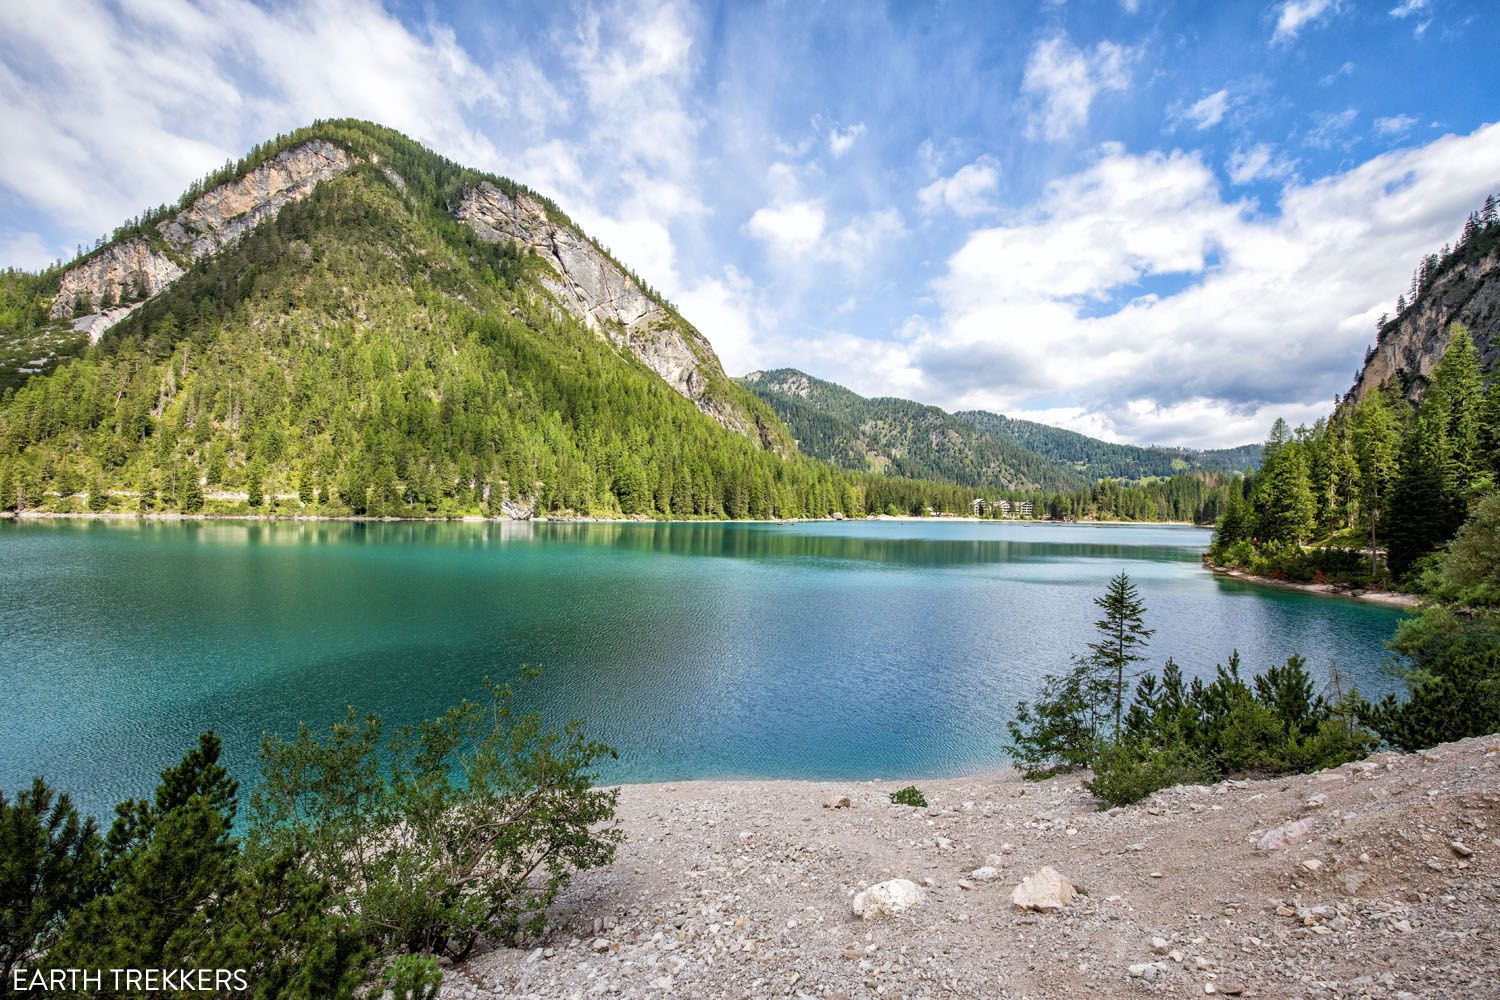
{"x": 975, "y": 448}
{"x": 900, "y": 437}
{"x": 1105, "y": 460}
{"x": 1460, "y": 284}
{"x": 344, "y": 322}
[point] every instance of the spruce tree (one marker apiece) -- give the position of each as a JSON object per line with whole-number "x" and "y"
{"x": 1123, "y": 638}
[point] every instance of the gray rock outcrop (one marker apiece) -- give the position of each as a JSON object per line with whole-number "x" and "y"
{"x": 134, "y": 270}
{"x": 607, "y": 300}
{"x": 1413, "y": 343}
{"x": 124, "y": 272}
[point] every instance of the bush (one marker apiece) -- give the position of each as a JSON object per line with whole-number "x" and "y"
{"x": 414, "y": 977}
{"x": 425, "y": 864}
{"x": 1129, "y": 771}
{"x": 1453, "y": 680}
{"x": 911, "y": 795}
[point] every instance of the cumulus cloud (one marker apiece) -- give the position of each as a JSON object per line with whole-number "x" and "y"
{"x": 790, "y": 229}
{"x": 1062, "y": 81}
{"x": 1201, "y": 328}
{"x": 970, "y": 190}
{"x": 1294, "y": 15}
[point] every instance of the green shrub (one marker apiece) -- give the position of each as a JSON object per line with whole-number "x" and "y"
{"x": 427, "y": 863}
{"x": 414, "y": 977}
{"x": 1128, "y": 771}
{"x": 911, "y": 795}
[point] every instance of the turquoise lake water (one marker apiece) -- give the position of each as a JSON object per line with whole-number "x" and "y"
{"x": 856, "y": 649}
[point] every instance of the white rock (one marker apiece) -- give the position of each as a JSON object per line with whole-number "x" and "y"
{"x": 985, "y": 873}
{"x": 886, "y": 898}
{"x": 1046, "y": 890}
{"x": 1284, "y": 834}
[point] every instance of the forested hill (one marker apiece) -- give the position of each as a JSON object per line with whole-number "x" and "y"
{"x": 972, "y": 447}
{"x": 900, "y": 437}
{"x": 1106, "y": 460}
{"x": 346, "y": 323}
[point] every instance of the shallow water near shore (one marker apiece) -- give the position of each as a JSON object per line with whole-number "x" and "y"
{"x": 812, "y": 650}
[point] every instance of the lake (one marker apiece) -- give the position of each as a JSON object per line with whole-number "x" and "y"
{"x": 854, "y": 649}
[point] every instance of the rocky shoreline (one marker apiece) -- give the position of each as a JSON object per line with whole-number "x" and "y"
{"x": 1394, "y": 598}
{"x": 1378, "y": 879}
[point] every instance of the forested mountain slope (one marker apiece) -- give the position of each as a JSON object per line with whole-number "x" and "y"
{"x": 973, "y": 447}
{"x": 345, "y": 322}
{"x": 1105, "y": 460}
{"x": 900, "y": 437}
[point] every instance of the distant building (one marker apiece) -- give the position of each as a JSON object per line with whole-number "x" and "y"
{"x": 1003, "y": 506}
{"x": 977, "y": 505}
{"x": 1026, "y": 508}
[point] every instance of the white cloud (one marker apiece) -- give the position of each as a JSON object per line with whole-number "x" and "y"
{"x": 970, "y": 190}
{"x": 1062, "y": 80}
{"x": 725, "y": 309}
{"x": 1258, "y": 163}
{"x": 1395, "y": 124}
{"x": 1209, "y": 324}
{"x": 790, "y": 229}
{"x": 1131, "y": 6}
{"x": 1294, "y": 15}
{"x": 840, "y": 141}
{"x": 1408, "y": 7}
{"x": 27, "y": 251}
{"x": 1207, "y": 111}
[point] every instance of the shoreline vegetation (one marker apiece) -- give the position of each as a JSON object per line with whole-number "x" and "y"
{"x": 1395, "y": 598}
{"x": 42, "y": 515}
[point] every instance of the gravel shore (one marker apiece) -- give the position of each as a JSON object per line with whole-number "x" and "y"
{"x": 1391, "y": 888}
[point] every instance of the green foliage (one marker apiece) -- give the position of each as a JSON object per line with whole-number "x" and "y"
{"x": 49, "y": 866}
{"x": 414, "y": 977}
{"x": 1452, "y": 669}
{"x": 1123, "y": 637}
{"x": 1176, "y": 731}
{"x": 911, "y": 795}
{"x": 175, "y": 891}
{"x": 1129, "y": 771}
{"x": 425, "y": 863}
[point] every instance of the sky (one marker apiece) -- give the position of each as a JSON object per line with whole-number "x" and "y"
{"x": 1152, "y": 222}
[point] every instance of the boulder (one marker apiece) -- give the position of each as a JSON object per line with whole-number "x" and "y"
{"x": 886, "y": 898}
{"x": 1046, "y": 890}
{"x": 840, "y": 802}
{"x": 1284, "y": 834}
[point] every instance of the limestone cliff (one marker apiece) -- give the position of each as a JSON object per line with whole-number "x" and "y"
{"x": 124, "y": 272}
{"x": 592, "y": 287}
{"x": 1411, "y": 344}
{"x": 135, "y": 269}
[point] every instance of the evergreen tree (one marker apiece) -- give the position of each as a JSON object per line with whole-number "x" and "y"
{"x": 1123, "y": 638}
{"x": 1417, "y": 516}
{"x": 1377, "y": 443}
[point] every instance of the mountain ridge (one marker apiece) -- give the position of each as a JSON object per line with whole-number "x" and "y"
{"x": 975, "y": 448}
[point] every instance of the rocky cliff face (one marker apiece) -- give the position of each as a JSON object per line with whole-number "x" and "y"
{"x": 221, "y": 216}
{"x": 1411, "y": 345}
{"x": 590, "y": 286}
{"x": 124, "y": 272}
{"x": 134, "y": 270}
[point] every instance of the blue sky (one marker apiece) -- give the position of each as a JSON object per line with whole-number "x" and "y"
{"x": 1150, "y": 221}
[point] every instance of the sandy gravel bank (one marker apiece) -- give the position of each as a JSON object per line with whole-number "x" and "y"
{"x": 744, "y": 889}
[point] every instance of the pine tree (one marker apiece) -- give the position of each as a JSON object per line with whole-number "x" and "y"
{"x": 1416, "y": 517}
{"x": 1377, "y": 443}
{"x": 1123, "y": 639}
